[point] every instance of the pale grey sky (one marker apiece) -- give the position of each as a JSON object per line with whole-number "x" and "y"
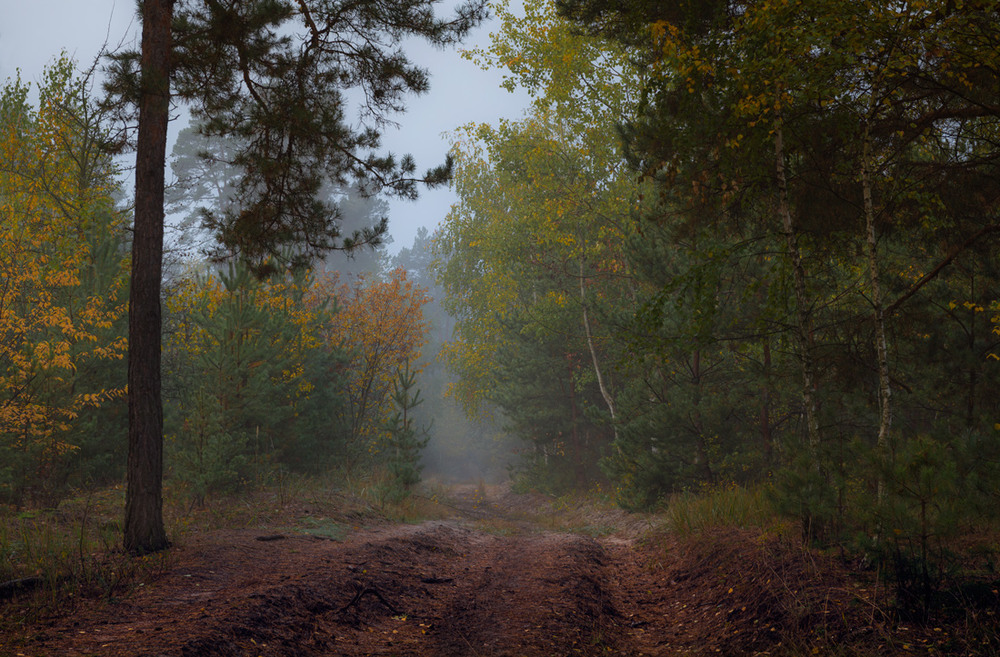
{"x": 33, "y": 32}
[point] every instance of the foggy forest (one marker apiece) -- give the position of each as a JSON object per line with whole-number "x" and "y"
{"x": 703, "y": 359}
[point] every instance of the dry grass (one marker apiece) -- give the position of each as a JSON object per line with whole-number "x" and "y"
{"x": 74, "y": 550}
{"x": 730, "y": 506}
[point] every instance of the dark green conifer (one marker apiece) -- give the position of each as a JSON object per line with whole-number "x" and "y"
{"x": 405, "y": 439}
{"x": 275, "y": 74}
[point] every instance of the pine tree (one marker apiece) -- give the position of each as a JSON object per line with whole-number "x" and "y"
{"x": 404, "y": 439}
{"x": 272, "y": 73}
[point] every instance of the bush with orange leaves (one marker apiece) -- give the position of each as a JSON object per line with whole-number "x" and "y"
{"x": 380, "y": 325}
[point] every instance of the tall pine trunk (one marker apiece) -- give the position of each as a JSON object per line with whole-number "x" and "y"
{"x": 144, "y": 530}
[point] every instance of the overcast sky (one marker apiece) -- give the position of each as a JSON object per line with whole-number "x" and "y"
{"x": 32, "y": 33}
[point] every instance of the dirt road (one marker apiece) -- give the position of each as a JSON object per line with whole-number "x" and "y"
{"x": 489, "y": 581}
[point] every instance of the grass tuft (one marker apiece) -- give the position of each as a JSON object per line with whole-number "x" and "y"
{"x": 730, "y": 506}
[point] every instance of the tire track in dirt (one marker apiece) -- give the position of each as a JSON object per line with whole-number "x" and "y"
{"x": 471, "y": 593}
{"x": 537, "y": 594}
{"x": 437, "y": 588}
{"x": 467, "y": 586}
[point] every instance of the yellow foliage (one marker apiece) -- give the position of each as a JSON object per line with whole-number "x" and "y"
{"x": 197, "y": 299}
{"x": 50, "y": 324}
{"x": 380, "y": 324}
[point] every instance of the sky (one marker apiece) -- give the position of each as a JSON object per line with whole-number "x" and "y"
{"x": 33, "y": 33}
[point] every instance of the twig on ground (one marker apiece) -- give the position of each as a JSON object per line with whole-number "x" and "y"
{"x": 366, "y": 590}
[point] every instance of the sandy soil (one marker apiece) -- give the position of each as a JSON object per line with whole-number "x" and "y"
{"x": 491, "y": 580}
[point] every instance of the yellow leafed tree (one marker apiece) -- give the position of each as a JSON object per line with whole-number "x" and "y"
{"x": 61, "y": 284}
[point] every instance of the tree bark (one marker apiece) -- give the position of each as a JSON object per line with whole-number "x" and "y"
{"x": 605, "y": 393}
{"x": 803, "y": 320}
{"x": 881, "y": 343}
{"x": 144, "y": 531}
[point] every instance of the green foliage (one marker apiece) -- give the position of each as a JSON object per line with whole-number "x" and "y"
{"x": 272, "y": 79}
{"x": 403, "y": 440}
{"x": 62, "y": 308}
{"x": 802, "y": 491}
{"x": 207, "y": 184}
{"x": 530, "y": 258}
{"x": 252, "y": 384}
{"x": 933, "y": 494}
{"x": 807, "y": 161}
{"x": 919, "y": 514}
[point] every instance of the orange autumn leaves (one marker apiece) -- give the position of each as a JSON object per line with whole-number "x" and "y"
{"x": 62, "y": 288}
{"x": 323, "y": 353}
{"x": 371, "y": 327}
{"x": 380, "y": 325}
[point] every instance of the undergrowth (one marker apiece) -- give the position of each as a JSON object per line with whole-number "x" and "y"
{"x": 957, "y": 612}
{"x": 727, "y": 506}
{"x": 50, "y": 557}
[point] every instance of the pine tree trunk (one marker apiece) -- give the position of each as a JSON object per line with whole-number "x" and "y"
{"x": 144, "y": 530}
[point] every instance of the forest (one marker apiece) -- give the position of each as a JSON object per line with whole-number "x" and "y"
{"x": 742, "y": 244}
{"x": 733, "y": 253}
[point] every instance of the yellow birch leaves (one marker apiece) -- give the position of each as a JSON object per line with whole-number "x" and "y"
{"x": 58, "y": 304}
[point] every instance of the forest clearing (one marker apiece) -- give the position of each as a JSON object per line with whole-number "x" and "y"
{"x": 485, "y": 571}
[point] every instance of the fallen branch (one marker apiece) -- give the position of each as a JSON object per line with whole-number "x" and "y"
{"x": 271, "y": 537}
{"x": 13, "y": 587}
{"x": 366, "y": 591}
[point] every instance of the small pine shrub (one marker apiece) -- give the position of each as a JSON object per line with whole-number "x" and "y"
{"x": 404, "y": 440}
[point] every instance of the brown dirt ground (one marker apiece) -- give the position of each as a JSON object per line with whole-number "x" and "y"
{"x": 492, "y": 580}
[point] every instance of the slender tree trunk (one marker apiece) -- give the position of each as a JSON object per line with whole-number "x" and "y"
{"x": 144, "y": 530}
{"x": 605, "y": 393}
{"x": 701, "y": 447}
{"x": 881, "y": 343}
{"x": 765, "y": 405}
{"x": 803, "y": 320}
